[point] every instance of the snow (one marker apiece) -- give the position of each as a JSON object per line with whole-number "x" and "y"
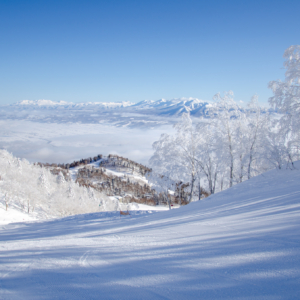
{"x": 151, "y": 209}
{"x": 133, "y": 177}
{"x": 138, "y": 207}
{"x": 242, "y": 243}
{"x": 74, "y": 171}
{"x": 13, "y": 215}
{"x": 145, "y": 114}
{"x": 61, "y": 132}
{"x": 162, "y": 106}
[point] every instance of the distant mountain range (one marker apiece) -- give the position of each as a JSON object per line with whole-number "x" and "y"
{"x": 68, "y": 105}
{"x": 173, "y": 107}
{"x": 147, "y": 113}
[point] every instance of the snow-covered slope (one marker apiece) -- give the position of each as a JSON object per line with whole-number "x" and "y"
{"x": 242, "y": 243}
{"x": 174, "y": 107}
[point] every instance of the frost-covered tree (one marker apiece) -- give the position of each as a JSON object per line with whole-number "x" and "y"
{"x": 32, "y": 188}
{"x": 6, "y": 200}
{"x": 186, "y": 143}
{"x": 241, "y": 134}
{"x": 225, "y": 147}
{"x": 163, "y": 184}
{"x": 175, "y": 156}
{"x": 232, "y": 143}
{"x": 286, "y": 99}
{"x": 226, "y": 118}
{"x": 252, "y": 131}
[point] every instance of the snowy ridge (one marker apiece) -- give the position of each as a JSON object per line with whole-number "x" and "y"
{"x": 242, "y": 243}
{"x": 37, "y": 191}
{"x": 147, "y": 113}
{"x": 171, "y": 107}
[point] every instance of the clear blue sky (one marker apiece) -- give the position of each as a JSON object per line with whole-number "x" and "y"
{"x": 134, "y": 50}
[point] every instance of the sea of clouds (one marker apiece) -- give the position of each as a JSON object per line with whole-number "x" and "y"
{"x": 66, "y": 142}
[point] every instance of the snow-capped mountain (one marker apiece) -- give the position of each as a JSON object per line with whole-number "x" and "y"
{"x": 162, "y": 107}
{"x": 142, "y": 114}
{"x": 173, "y": 107}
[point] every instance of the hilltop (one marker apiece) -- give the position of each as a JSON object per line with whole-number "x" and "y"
{"x": 102, "y": 183}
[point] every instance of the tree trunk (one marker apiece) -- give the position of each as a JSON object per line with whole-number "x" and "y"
{"x": 192, "y": 187}
{"x": 231, "y": 158}
{"x": 169, "y": 201}
{"x": 231, "y": 167}
{"x": 249, "y": 166}
{"x": 241, "y": 169}
{"x": 215, "y": 180}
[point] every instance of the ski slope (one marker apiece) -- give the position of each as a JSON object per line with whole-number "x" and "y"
{"x": 243, "y": 243}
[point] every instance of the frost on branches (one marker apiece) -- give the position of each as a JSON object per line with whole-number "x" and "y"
{"x": 232, "y": 143}
{"x": 286, "y": 100}
{"x": 214, "y": 152}
{"x": 33, "y": 188}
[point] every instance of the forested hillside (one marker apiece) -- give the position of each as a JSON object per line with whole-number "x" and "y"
{"x": 33, "y": 188}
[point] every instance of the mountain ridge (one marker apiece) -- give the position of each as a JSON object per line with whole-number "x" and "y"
{"x": 172, "y": 107}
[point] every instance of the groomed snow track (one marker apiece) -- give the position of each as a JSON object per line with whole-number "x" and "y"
{"x": 243, "y": 243}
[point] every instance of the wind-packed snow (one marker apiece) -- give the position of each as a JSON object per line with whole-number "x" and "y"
{"x": 242, "y": 243}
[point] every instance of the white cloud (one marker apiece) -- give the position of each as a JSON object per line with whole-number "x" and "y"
{"x": 62, "y": 143}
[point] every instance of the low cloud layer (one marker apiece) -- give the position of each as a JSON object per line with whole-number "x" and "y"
{"x": 63, "y": 143}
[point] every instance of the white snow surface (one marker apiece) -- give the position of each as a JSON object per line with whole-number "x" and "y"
{"x": 13, "y": 215}
{"x": 242, "y": 243}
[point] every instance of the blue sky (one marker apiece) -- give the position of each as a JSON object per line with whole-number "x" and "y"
{"x": 134, "y": 50}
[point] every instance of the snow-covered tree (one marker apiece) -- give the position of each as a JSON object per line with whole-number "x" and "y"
{"x": 175, "y": 155}
{"x": 29, "y": 187}
{"x": 209, "y": 154}
{"x": 286, "y": 99}
{"x": 225, "y": 147}
{"x": 163, "y": 184}
{"x": 226, "y": 118}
